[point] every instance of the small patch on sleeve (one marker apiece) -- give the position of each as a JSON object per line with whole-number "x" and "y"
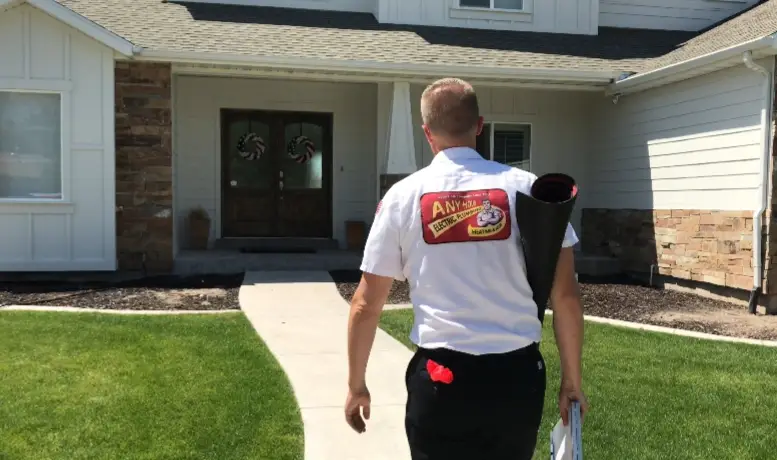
{"x": 380, "y": 204}
{"x": 465, "y": 216}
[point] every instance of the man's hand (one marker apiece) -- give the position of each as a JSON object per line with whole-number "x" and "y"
{"x": 357, "y": 409}
{"x": 366, "y": 306}
{"x": 566, "y": 396}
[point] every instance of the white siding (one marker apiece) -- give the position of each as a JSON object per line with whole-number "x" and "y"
{"x": 197, "y": 165}
{"x": 689, "y": 145}
{"x": 560, "y": 134}
{"x": 564, "y": 16}
{"x": 39, "y": 53}
{"x": 363, "y": 6}
{"x": 667, "y": 14}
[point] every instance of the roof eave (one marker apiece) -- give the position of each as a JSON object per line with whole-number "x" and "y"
{"x": 78, "y": 22}
{"x": 591, "y": 77}
{"x": 766, "y": 46}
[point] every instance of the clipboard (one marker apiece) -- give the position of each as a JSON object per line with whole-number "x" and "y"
{"x": 566, "y": 442}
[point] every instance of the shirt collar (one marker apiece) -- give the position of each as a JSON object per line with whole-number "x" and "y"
{"x": 457, "y": 154}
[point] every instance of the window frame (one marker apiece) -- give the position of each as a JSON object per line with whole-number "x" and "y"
{"x": 64, "y": 154}
{"x": 528, "y": 127}
{"x": 491, "y": 7}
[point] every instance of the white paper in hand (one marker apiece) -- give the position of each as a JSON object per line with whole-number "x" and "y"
{"x": 566, "y": 442}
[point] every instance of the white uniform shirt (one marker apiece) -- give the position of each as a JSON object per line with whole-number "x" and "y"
{"x": 450, "y": 230}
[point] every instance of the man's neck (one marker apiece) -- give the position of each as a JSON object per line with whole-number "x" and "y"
{"x": 440, "y": 148}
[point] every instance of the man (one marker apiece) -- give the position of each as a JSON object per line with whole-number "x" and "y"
{"x": 476, "y": 385}
{"x": 489, "y": 215}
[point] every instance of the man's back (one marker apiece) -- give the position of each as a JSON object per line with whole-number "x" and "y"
{"x": 458, "y": 238}
{"x": 476, "y": 383}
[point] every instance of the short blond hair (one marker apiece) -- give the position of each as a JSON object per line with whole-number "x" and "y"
{"x": 449, "y": 107}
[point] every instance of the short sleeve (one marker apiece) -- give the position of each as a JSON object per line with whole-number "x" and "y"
{"x": 570, "y": 237}
{"x": 382, "y": 251}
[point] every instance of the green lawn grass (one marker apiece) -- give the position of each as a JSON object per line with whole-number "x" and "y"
{"x": 96, "y": 386}
{"x": 657, "y": 396}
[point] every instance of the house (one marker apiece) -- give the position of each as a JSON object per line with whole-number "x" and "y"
{"x": 287, "y": 119}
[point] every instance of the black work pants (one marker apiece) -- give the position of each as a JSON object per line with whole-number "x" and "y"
{"x": 490, "y": 411}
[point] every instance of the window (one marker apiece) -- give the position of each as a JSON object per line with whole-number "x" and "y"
{"x": 506, "y": 143}
{"x": 516, "y": 5}
{"x": 30, "y": 145}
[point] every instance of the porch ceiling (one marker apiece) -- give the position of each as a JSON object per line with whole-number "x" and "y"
{"x": 210, "y": 29}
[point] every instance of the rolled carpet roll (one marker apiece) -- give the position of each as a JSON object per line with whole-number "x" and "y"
{"x": 542, "y": 219}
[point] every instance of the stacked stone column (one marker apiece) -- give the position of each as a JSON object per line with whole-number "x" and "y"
{"x": 144, "y": 177}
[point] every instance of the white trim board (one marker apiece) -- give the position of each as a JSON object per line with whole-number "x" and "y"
{"x": 78, "y": 22}
{"x": 247, "y": 71}
{"x": 599, "y": 77}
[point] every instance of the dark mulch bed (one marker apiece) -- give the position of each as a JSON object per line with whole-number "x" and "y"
{"x": 626, "y": 299}
{"x": 347, "y": 280}
{"x": 200, "y": 292}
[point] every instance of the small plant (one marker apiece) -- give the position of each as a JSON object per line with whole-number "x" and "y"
{"x": 199, "y": 213}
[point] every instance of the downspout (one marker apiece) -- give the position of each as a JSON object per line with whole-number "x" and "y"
{"x": 763, "y": 196}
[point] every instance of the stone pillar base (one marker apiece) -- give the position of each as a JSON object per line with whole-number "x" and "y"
{"x": 770, "y": 302}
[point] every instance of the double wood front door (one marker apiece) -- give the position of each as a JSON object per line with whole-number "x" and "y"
{"x": 276, "y": 174}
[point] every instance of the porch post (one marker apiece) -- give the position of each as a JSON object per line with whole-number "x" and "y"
{"x": 400, "y": 149}
{"x": 144, "y": 173}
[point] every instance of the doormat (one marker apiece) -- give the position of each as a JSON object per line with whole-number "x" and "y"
{"x": 277, "y": 251}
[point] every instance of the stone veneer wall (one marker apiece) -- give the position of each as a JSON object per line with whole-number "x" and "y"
{"x": 144, "y": 177}
{"x": 700, "y": 245}
{"x": 388, "y": 180}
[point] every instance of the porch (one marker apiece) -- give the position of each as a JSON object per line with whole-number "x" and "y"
{"x": 236, "y": 134}
{"x": 225, "y": 261}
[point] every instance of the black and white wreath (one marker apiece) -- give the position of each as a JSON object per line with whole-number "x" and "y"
{"x": 245, "y": 150}
{"x": 308, "y": 149}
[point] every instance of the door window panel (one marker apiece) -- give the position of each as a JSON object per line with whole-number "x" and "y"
{"x": 250, "y": 173}
{"x": 309, "y": 174}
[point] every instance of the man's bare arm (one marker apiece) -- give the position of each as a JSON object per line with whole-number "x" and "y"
{"x": 366, "y": 307}
{"x": 568, "y": 318}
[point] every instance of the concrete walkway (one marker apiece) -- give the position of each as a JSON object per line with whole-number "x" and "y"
{"x": 303, "y": 320}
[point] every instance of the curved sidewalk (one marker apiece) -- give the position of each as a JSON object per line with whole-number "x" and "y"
{"x": 303, "y": 320}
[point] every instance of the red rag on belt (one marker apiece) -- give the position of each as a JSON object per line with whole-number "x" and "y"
{"x": 438, "y": 372}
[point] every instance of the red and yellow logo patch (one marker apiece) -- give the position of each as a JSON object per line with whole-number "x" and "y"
{"x": 473, "y": 215}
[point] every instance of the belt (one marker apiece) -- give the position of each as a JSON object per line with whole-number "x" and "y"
{"x": 445, "y": 353}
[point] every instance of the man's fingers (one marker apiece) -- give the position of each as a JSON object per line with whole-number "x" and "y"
{"x": 563, "y": 407}
{"x": 354, "y": 418}
{"x": 355, "y": 421}
{"x": 366, "y": 411}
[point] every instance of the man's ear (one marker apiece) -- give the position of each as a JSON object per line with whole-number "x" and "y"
{"x": 428, "y": 135}
{"x": 481, "y": 121}
{"x": 427, "y": 132}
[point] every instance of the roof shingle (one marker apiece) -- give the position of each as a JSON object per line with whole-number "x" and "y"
{"x": 757, "y": 22}
{"x": 283, "y": 32}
